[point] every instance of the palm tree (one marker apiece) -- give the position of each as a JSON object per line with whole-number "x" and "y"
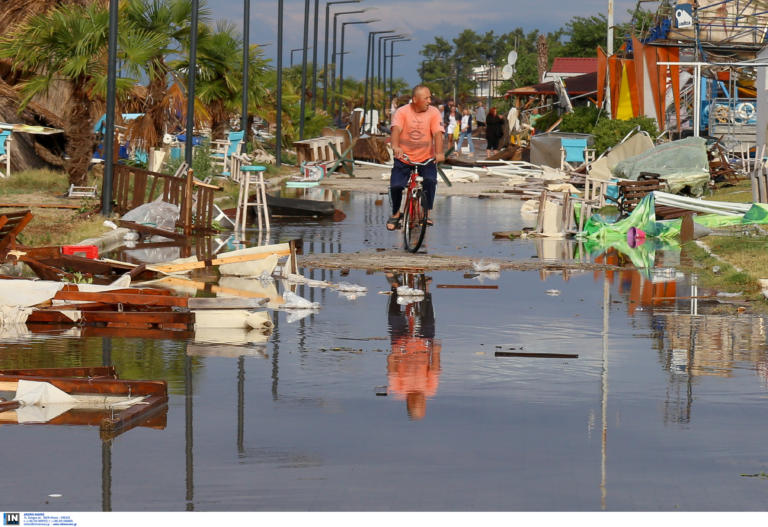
{"x": 220, "y": 67}
{"x": 169, "y": 22}
{"x": 69, "y": 44}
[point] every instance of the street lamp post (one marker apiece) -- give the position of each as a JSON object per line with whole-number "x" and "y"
{"x": 304, "y": 71}
{"x": 369, "y": 63}
{"x": 108, "y": 153}
{"x": 191, "y": 74}
{"x": 383, "y": 66}
{"x": 279, "y": 109}
{"x": 325, "y": 52}
{"x": 333, "y": 53}
{"x": 292, "y": 52}
{"x": 392, "y": 59}
{"x": 341, "y": 66}
{"x": 314, "y": 57}
{"x": 246, "y": 60}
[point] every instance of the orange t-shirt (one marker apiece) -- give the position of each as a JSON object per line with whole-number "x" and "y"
{"x": 417, "y": 130}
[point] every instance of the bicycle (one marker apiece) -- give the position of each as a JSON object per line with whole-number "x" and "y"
{"x": 414, "y": 217}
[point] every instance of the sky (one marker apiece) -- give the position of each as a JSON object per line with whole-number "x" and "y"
{"x": 422, "y": 20}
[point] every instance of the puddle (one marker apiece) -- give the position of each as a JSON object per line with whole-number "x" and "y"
{"x": 377, "y": 404}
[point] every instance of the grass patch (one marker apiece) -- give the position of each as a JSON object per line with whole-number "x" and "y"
{"x": 29, "y": 181}
{"x": 57, "y": 227}
{"x": 741, "y": 192}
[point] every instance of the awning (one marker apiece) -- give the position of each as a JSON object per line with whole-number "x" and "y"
{"x": 579, "y": 85}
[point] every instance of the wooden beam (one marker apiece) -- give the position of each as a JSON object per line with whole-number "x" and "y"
{"x": 175, "y": 268}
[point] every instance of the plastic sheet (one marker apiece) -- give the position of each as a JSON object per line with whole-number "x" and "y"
{"x": 683, "y": 164}
{"x": 157, "y": 214}
{"x": 294, "y": 301}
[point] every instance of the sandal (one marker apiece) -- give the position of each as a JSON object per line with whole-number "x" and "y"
{"x": 430, "y": 222}
{"x": 395, "y": 222}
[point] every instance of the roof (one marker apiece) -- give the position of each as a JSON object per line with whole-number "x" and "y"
{"x": 574, "y": 65}
{"x": 578, "y": 85}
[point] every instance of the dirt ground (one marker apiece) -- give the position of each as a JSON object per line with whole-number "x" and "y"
{"x": 390, "y": 260}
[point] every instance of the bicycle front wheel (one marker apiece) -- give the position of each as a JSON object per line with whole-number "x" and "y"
{"x": 415, "y": 220}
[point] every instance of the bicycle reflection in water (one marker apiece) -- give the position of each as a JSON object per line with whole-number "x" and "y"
{"x": 413, "y": 365}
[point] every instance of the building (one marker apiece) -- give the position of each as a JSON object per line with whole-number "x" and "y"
{"x": 565, "y": 67}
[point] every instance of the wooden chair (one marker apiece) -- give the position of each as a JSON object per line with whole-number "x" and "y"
{"x": 720, "y": 170}
{"x": 11, "y": 224}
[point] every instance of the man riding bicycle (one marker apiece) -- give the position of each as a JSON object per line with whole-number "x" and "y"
{"x": 417, "y": 132}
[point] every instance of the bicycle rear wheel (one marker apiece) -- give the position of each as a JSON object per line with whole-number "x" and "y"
{"x": 414, "y": 220}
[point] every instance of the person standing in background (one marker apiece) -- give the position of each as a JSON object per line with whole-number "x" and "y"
{"x": 466, "y": 133}
{"x": 494, "y": 130}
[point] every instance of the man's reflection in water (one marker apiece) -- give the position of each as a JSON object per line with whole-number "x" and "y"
{"x": 413, "y": 365}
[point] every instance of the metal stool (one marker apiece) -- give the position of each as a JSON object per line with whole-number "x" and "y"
{"x": 252, "y": 174}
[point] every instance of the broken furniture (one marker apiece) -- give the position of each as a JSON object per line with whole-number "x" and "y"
{"x": 11, "y": 224}
{"x": 574, "y": 153}
{"x": 5, "y": 151}
{"x": 81, "y": 192}
{"x": 93, "y": 396}
{"x": 323, "y": 148}
{"x": 720, "y": 169}
{"x": 134, "y": 187}
{"x": 222, "y": 151}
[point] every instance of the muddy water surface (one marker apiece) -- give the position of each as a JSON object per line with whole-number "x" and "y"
{"x": 371, "y": 404}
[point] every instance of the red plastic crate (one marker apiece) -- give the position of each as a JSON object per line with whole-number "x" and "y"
{"x": 88, "y": 251}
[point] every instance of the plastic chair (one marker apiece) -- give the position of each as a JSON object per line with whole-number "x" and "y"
{"x": 5, "y": 151}
{"x": 224, "y": 150}
{"x": 574, "y": 150}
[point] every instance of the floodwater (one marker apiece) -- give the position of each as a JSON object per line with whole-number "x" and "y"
{"x": 370, "y": 404}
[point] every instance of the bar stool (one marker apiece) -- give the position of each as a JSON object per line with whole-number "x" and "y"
{"x": 252, "y": 174}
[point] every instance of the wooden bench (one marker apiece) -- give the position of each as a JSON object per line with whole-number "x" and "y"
{"x": 11, "y": 224}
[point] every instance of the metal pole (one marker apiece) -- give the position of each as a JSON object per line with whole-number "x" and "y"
{"x": 333, "y": 56}
{"x": 325, "y": 53}
{"x": 314, "y": 59}
{"x": 365, "y": 90}
{"x": 246, "y": 60}
{"x": 191, "y": 74}
{"x": 304, "y": 70}
{"x": 392, "y": 59}
{"x": 109, "y": 132}
{"x": 279, "y": 109}
{"x": 341, "y": 66}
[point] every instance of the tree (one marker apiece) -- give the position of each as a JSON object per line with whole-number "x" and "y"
{"x": 69, "y": 44}
{"x": 169, "y": 22}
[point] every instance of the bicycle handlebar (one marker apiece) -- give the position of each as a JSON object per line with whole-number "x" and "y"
{"x": 423, "y": 163}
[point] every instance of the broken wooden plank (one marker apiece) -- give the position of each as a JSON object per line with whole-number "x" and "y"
{"x": 39, "y": 206}
{"x": 536, "y": 355}
{"x": 146, "y": 229}
{"x": 122, "y": 298}
{"x": 103, "y": 386}
{"x": 188, "y": 266}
